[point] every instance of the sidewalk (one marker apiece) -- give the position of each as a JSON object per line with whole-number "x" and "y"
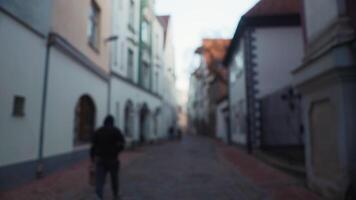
{"x": 277, "y": 184}
{"x": 70, "y": 183}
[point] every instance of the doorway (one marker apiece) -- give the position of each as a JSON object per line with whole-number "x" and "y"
{"x": 144, "y": 123}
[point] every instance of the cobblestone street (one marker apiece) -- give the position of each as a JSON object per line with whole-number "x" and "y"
{"x": 195, "y": 168}
{"x": 191, "y": 169}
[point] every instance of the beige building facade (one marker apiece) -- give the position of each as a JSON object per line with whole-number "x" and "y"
{"x": 71, "y": 20}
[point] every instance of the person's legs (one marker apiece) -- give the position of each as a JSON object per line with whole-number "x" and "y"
{"x": 100, "y": 179}
{"x": 114, "y": 173}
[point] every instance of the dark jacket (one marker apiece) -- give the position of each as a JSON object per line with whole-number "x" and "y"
{"x": 107, "y": 143}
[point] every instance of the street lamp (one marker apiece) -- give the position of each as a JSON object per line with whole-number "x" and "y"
{"x": 111, "y": 38}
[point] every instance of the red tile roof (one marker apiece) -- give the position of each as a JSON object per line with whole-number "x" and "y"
{"x": 214, "y": 51}
{"x": 267, "y": 13}
{"x": 275, "y": 8}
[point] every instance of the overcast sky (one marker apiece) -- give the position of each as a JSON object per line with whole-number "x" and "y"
{"x": 197, "y": 19}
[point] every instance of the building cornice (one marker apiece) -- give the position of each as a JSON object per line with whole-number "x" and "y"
{"x": 62, "y": 44}
{"x": 326, "y": 78}
{"x": 336, "y": 34}
{"x": 23, "y": 23}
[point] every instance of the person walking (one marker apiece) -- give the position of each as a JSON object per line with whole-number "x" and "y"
{"x": 179, "y": 133}
{"x": 107, "y": 142}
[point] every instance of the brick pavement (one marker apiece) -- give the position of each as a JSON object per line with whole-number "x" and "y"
{"x": 70, "y": 183}
{"x": 195, "y": 168}
{"x": 277, "y": 184}
{"x": 186, "y": 170}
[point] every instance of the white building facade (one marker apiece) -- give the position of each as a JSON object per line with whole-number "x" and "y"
{"x": 327, "y": 82}
{"x": 21, "y": 82}
{"x": 59, "y": 81}
{"x": 141, "y": 95}
{"x": 198, "y": 99}
{"x": 267, "y": 46}
{"x": 237, "y": 96}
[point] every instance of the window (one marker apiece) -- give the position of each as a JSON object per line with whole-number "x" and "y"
{"x": 145, "y": 75}
{"x": 132, "y": 16}
{"x": 156, "y": 82}
{"x": 130, "y": 64}
{"x": 94, "y": 25}
{"x": 232, "y": 76}
{"x": 19, "y": 106}
{"x": 239, "y": 61}
{"x": 145, "y": 32}
{"x": 122, "y": 55}
{"x": 157, "y": 45}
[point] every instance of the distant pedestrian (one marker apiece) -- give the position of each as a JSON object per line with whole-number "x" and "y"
{"x": 108, "y": 141}
{"x": 171, "y": 132}
{"x": 179, "y": 133}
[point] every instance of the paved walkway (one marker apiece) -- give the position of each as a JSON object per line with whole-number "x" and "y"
{"x": 195, "y": 168}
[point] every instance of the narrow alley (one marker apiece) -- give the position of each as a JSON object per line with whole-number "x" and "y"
{"x": 200, "y": 100}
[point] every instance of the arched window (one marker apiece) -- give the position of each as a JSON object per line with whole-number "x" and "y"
{"x": 85, "y": 116}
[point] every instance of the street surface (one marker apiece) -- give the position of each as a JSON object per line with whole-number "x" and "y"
{"x": 195, "y": 168}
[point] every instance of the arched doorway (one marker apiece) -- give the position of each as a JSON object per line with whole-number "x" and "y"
{"x": 85, "y": 116}
{"x": 144, "y": 123}
{"x": 156, "y": 122}
{"x": 128, "y": 126}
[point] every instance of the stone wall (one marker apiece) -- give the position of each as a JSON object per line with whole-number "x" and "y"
{"x": 281, "y": 120}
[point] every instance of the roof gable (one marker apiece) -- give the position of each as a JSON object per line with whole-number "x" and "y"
{"x": 275, "y": 8}
{"x": 164, "y": 20}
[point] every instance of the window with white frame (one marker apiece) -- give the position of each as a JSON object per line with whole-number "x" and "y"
{"x": 146, "y": 32}
{"x": 130, "y": 64}
{"x": 145, "y": 75}
{"x": 132, "y": 15}
{"x": 94, "y": 25}
{"x": 156, "y": 82}
{"x": 157, "y": 44}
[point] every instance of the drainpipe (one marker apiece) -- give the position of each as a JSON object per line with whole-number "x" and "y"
{"x": 109, "y": 94}
{"x": 229, "y": 131}
{"x": 40, "y": 167}
{"x": 112, "y": 38}
{"x": 151, "y": 57}
{"x": 140, "y": 43}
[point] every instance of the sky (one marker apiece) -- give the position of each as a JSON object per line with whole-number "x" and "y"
{"x": 193, "y": 20}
